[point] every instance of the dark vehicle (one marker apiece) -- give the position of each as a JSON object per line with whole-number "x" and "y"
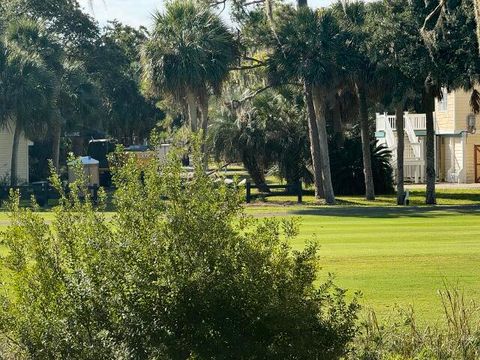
{"x": 99, "y": 149}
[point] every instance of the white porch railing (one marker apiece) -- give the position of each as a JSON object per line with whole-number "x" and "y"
{"x": 416, "y": 121}
{"x": 414, "y": 157}
{"x": 412, "y": 137}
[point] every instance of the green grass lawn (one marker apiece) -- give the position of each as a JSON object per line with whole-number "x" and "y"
{"x": 395, "y": 256}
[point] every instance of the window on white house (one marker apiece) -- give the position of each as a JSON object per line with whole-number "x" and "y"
{"x": 443, "y": 102}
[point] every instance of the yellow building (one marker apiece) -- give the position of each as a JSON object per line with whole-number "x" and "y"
{"x": 457, "y": 142}
{"x": 6, "y": 142}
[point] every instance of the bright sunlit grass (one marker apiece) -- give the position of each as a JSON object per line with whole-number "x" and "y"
{"x": 395, "y": 256}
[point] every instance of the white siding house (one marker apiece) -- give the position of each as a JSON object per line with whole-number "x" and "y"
{"x": 6, "y": 141}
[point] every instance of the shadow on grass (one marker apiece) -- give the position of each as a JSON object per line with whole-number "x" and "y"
{"x": 389, "y": 212}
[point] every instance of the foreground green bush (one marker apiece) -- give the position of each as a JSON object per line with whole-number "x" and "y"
{"x": 179, "y": 272}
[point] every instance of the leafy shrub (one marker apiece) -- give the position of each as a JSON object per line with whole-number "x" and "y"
{"x": 189, "y": 277}
{"x": 347, "y": 168}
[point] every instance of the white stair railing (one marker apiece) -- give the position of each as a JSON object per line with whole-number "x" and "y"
{"x": 412, "y": 137}
{"x": 390, "y": 137}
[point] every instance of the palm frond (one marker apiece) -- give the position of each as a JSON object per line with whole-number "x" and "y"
{"x": 475, "y": 101}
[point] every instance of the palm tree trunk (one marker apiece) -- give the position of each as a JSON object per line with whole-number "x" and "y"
{"x": 14, "y": 164}
{"x": 192, "y": 110}
{"x": 314, "y": 143}
{"x": 338, "y": 126}
{"x": 255, "y": 170}
{"x": 204, "y": 112}
{"x": 57, "y": 131}
{"x": 319, "y": 103}
{"x": 429, "y": 103}
{"x": 301, "y": 3}
{"x": 400, "y": 152}
{"x": 365, "y": 132}
{"x": 203, "y": 100}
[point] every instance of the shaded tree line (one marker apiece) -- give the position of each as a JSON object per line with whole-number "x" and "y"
{"x": 60, "y": 73}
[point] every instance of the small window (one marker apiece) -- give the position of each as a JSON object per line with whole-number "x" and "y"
{"x": 443, "y": 102}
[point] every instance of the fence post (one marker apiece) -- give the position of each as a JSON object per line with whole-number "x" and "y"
{"x": 95, "y": 193}
{"x": 249, "y": 192}
{"x": 45, "y": 192}
{"x": 299, "y": 192}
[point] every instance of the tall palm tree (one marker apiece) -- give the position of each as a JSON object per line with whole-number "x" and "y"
{"x": 326, "y": 75}
{"x": 29, "y": 36}
{"x": 352, "y": 17}
{"x": 188, "y": 57}
{"x": 399, "y": 64}
{"x": 313, "y": 130}
{"x": 306, "y": 50}
{"x": 28, "y": 95}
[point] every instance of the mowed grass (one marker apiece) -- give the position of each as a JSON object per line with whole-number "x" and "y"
{"x": 396, "y": 256}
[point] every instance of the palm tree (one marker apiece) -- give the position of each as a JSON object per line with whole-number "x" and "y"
{"x": 188, "y": 57}
{"x": 400, "y": 64}
{"x": 28, "y": 96}
{"x": 362, "y": 71}
{"x": 306, "y": 49}
{"x": 268, "y": 133}
{"x": 29, "y": 36}
{"x": 446, "y": 29}
{"x": 243, "y": 138}
{"x": 313, "y": 130}
{"x": 326, "y": 76}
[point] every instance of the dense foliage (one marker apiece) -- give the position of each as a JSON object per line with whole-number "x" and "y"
{"x": 267, "y": 132}
{"x": 347, "y": 168}
{"x": 188, "y": 277}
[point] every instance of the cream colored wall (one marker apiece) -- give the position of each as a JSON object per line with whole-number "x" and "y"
{"x": 6, "y": 141}
{"x": 445, "y": 123}
{"x": 471, "y": 141}
{"x": 462, "y": 109}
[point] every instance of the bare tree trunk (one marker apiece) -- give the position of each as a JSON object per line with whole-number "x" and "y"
{"x": 314, "y": 143}
{"x": 400, "y": 152}
{"x": 319, "y": 102}
{"x": 269, "y": 10}
{"x": 367, "y": 156}
{"x": 192, "y": 110}
{"x": 57, "y": 131}
{"x": 477, "y": 18}
{"x": 14, "y": 164}
{"x": 429, "y": 103}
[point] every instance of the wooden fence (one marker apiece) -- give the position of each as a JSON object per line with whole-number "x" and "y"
{"x": 289, "y": 189}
